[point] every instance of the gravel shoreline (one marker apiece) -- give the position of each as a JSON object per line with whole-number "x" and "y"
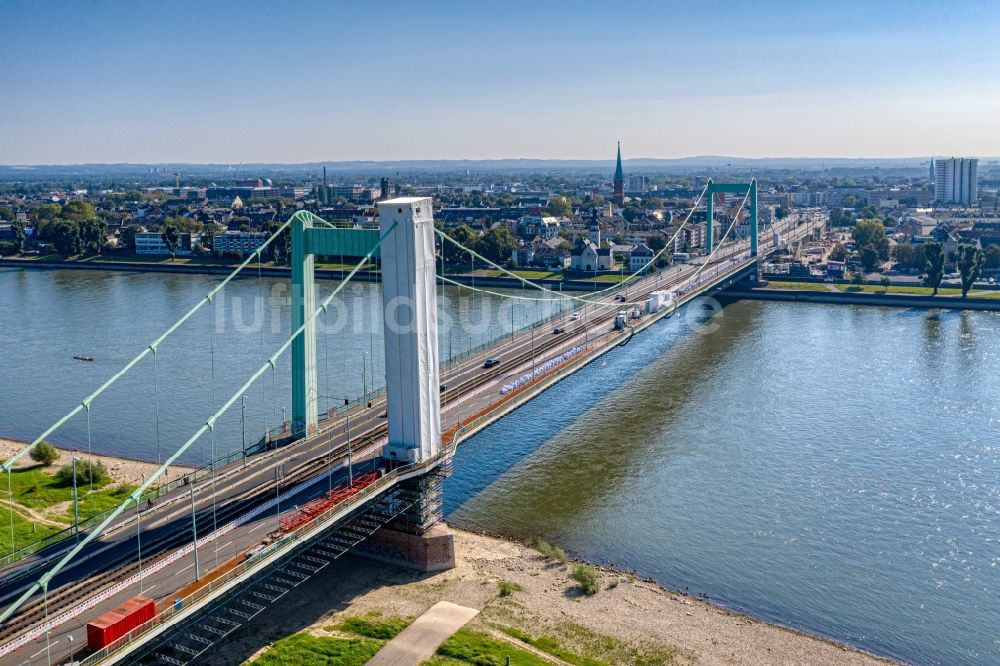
{"x": 627, "y": 620}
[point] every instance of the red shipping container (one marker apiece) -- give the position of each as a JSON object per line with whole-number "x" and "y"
{"x": 117, "y": 622}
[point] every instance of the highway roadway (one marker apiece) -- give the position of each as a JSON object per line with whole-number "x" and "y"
{"x": 167, "y": 526}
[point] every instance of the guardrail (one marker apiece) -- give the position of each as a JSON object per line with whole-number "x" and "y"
{"x": 258, "y": 561}
{"x": 86, "y": 523}
{"x": 261, "y": 445}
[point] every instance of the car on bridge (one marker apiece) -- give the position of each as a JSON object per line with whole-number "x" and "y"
{"x": 491, "y": 362}
{"x": 558, "y": 329}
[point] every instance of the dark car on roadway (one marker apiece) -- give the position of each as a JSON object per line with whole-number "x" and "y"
{"x": 558, "y": 329}
{"x": 491, "y": 362}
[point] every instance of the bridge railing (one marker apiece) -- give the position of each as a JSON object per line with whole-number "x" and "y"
{"x": 260, "y": 446}
{"x": 246, "y": 567}
{"x": 95, "y": 519}
{"x": 297, "y": 536}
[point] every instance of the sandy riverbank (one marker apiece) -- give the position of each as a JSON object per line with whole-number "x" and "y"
{"x": 122, "y": 470}
{"x": 626, "y": 622}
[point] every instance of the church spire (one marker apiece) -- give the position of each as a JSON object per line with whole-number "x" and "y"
{"x": 619, "y": 192}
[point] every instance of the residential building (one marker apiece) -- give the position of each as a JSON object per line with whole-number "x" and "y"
{"x": 635, "y": 185}
{"x": 238, "y": 241}
{"x": 956, "y": 180}
{"x": 807, "y": 198}
{"x": 151, "y": 242}
{"x": 640, "y": 256}
{"x": 535, "y": 225}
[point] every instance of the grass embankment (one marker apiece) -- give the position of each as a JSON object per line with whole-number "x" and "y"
{"x": 43, "y": 504}
{"x": 914, "y": 290}
{"x": 798, "y": 286}
{"x": 468, "y": 646}
{"x": 351, "y": 643}
{"x": 356, "y": 639}
{"x": 526, "y": 274}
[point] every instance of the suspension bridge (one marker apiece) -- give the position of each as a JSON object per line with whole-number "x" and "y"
{"x": 218, "y": 546}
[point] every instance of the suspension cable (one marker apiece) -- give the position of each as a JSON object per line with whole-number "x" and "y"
{"x": 596, "y": 292}
{"x": 260, "y": 299}
{"x": 209, "y": 423}
{"x": 560, "y": 295}
{"x": 213, "y": 457}
{"x": 156, "y": 413}
{"x": 722, "y": 240}
{"x": 10, "y": 503}
{"x": 90, "y": 447}
{"x": 9, "y": 463}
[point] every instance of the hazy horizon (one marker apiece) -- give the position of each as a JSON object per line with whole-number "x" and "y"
{"x": 596, "y": 161}
{"x": 221, "y": 83}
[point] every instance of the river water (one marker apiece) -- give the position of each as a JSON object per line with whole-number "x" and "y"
{"x": 834, "y": 469}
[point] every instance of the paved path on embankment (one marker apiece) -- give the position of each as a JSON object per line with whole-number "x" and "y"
{"x": 419, "y": 641}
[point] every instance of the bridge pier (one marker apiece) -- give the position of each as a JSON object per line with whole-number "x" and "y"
{"x": 418, "y": 538}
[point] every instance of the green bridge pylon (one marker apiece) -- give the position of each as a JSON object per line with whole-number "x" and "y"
{"x": 730, "y": 188}
{"x": 409, "y": 316}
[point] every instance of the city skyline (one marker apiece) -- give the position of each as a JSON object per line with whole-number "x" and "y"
{"x": 219, "y": 83}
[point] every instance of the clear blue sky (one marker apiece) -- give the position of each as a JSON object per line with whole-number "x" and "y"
{"x": 137, "y": 81}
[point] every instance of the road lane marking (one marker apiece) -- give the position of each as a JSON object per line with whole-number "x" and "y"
{"x": 43, "y": 649}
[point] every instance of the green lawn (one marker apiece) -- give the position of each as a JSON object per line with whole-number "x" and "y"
{"x": 879, "y": 289}
{"x": 373, "y": 625}
{"x": 550, "y": 645}
{"x": 36, "y": 488}
{"x": 25, "y": 531}
{"x": 915, "y": 290}
{"x": 591, "y": 648}
{"x": 472, "y": 647}
{"x": 527, "y": 274}
{"x": 603, "y": 278}
{"x": 368, "y": 634}
{"x": 301, "y": 649}
{"x": 797, "y": 286}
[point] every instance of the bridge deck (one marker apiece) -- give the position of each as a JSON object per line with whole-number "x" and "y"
{"x": 247, "y": 515}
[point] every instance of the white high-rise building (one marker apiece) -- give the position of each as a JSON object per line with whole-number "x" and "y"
{"x": 956, "y": 180}
{"x": 635, "y": 185}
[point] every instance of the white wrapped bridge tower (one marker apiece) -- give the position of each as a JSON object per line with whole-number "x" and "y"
{"x": 409, "y": 295}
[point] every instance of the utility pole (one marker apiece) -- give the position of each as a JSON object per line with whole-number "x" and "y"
{"x": 350, "y": 453}
{"x": 76, "y": 510}
{"x": 532, "y": 352}
{"x": 194, "y": 533}
{"x": 243, "y": 427}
